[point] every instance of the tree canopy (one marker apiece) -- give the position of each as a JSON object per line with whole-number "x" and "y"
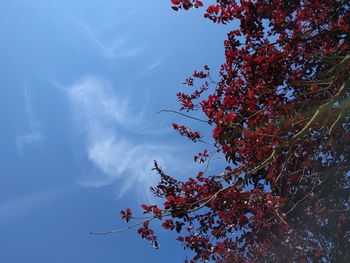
{"x": 279, "y": 113}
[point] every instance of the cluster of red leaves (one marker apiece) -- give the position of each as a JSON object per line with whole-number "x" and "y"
{"x": 187, "y": 101}
{"x": 185, "y": 131}
{"x": 280, "y": 116}
{"x": 186, "y": 4}
{"x": 126, "y": 215}
{"x": 201, "y": 157}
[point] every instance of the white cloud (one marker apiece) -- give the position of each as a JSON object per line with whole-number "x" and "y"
{"x": 16, "y": 208}
{"x": 113, "y": 145}
{"x": 120, "y": 20}
{"x": 114, "y": 48}
{"x": 35, "y": 135}
{"x": 28, "y": 140}
{"x": 95, "y": 104}
{"x": 125, "y": 160}
{"x": 150, "y": 67}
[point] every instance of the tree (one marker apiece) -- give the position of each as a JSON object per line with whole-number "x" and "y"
{"x": 280, "y": 115}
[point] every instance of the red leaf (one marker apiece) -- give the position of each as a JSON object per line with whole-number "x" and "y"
{"x": 199, "y": 3}
{"x": 171, "y": 198}
{"x": 251, "y": 94}
{"x": 181, "y": 239}
{"x": 176, "y": 2}
{"x": 126, "y": 215}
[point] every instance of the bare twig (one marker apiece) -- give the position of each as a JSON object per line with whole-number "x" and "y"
{"x": 185, "y": 115}
{"x": 321, "y": 109}
{"x": 122, "y": 229}
{"x": 334, "y": 123}
{"x": 302, "y": 199}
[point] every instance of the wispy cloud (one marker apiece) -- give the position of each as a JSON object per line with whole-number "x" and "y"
{"x": 112, "y": 48}
{"x": 120, "y": 158}
{"x": 109, "y": 124}
{"x": 120, "y": 20}
{"x": 150, "y": 67}
{"x": 35, "y": 135}
{"x": 17, "y": 207}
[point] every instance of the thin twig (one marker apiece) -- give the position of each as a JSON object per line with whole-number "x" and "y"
{"x": 334, "y": 123}
{"x": 208, "y": 162}
{"x": 122, "y": 229}
{"x": 185, "y": 115}
{"x": 321, "y": 109}
{"x": 302, "y": 199}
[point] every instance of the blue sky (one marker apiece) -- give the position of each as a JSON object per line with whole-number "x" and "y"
{"x": 81, "y": 84}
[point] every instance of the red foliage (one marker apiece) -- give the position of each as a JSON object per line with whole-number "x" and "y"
{"x": 280, "y": 116}
{"x": 183, "y": 130}
{"x": 126, "y": 215}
